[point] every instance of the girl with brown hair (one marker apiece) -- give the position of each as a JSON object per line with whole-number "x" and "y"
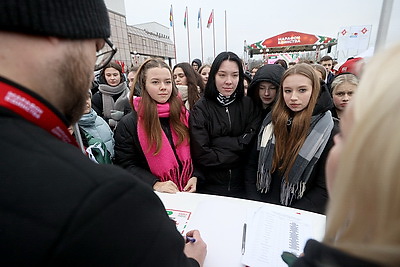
{"x": 153, "y": 140}
{"x": 293, "y": 144}
{"x": 189, "y": 83}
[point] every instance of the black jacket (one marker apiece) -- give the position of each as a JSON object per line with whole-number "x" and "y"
{"x": 128, "y": 151}
{"x": 316, "y": 196}
{"x": 220, "y": 138}
{"x": 317, "y": 254}
{"x": 58, "y": 208}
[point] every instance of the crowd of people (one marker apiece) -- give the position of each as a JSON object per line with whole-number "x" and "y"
{"x": 269, "y": 134}
{"x": 267, "y": 143}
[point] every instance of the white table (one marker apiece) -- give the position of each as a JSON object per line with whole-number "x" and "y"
{"x": 220, "y": 222}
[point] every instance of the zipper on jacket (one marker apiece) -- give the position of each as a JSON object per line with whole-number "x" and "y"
{"x": 230, "y": 179}
{"x": 229, "y": 118}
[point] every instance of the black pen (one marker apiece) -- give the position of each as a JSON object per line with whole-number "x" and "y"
{"x": 244, "y": 238}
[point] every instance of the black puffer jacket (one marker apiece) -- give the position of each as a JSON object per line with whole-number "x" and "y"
{"x": 220, "y": 137}
{"x": 129, "y": 153}
{"x": 316, "y": 196}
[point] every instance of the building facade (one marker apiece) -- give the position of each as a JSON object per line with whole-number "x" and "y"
{"x": 136, "y": 43}
{"x": 150, "y": 40}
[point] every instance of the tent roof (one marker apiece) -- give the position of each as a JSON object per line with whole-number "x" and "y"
{"x": 292, "y": 42}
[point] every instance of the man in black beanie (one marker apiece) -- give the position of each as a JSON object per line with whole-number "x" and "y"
{"x": 58, "y": 208}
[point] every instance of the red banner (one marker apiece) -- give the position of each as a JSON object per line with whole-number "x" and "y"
{"x": 290, "y": 39}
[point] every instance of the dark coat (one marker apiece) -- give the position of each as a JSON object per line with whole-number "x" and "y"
{"x": 316, "y": 196}
{"x": 220, "y": 138}
{"x": 317, "y": 254}
{"x": 58, "y": 208}
{"x": 97, "y": 99}
{"x": 128, "y": 151}
{"x": 97, "y": 104}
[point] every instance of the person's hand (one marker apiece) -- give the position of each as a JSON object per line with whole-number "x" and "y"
{"x": 196, "y": 250}
{"x": 116, "y": 114}
{"x": 112, "y": 123}
{"x": 166, "y": 187}
{"x": 191, "y": 185}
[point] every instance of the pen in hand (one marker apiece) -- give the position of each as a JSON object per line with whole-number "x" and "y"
{"x": 190, "y": 239}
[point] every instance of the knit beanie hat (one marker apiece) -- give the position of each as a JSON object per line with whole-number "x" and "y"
{"x": 70, "y": 19}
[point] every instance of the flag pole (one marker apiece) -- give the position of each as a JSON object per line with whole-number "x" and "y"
{"x": 226, "y": 34}
{"x": 213, "y": 22}
{"x": 201, "y": 37}
{"x": 187, "y": 28}
{"x": 384, "y": 21}
{"x": 173, "y": 32}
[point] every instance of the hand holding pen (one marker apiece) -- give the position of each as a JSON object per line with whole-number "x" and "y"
{"x": 195, "y": 247}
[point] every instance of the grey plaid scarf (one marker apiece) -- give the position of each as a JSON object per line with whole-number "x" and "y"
{"x": 310, "y": 152}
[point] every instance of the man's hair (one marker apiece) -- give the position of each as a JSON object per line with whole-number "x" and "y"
{"x": 325, "y": 58}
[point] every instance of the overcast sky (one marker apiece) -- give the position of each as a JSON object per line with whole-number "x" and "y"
{"x": 254, "y": 21}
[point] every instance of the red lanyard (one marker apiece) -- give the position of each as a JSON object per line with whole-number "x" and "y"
{"x": 34, "y": 111}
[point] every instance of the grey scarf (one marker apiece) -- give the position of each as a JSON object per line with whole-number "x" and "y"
{"x": 107, "y": 93}
{"x": 310, "y": 152}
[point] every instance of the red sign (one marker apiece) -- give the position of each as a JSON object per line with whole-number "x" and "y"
{"x": 290, "y": 39}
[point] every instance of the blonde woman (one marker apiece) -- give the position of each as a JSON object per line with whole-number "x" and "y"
{"x": 363, "y": 176}
{"x": 343, "y": 87}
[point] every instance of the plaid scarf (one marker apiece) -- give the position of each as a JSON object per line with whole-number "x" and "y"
{"x": 310, "y": 152}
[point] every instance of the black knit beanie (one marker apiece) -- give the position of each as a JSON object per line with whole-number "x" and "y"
{"x": 70, "y": 19}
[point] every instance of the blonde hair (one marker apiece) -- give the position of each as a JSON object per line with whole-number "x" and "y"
{"x": 363, "y": 216}
{"x": 343, "y": 78}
